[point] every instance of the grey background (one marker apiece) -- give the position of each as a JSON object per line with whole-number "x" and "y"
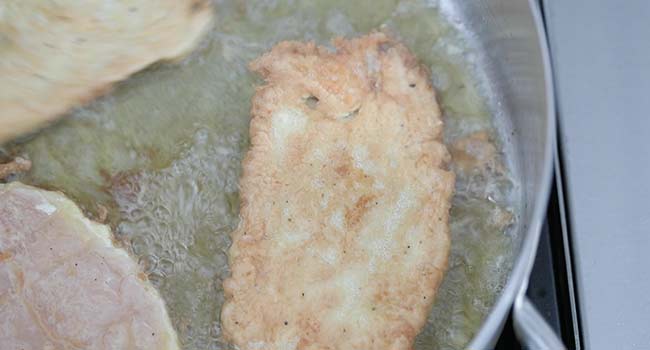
{"x": 601, "y": 57}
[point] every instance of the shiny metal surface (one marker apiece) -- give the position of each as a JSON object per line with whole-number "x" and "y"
{"x": 511, "y": 45}
{"x": 571, "y": 287}
{"x": 531, "y": 328}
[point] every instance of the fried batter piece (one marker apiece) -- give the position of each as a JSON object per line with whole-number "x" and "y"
{"x": 344, "y": 234}
{"x": 475, "y": 153}
{"x": 55, "y": 55}
{"x": 16, "y": 166}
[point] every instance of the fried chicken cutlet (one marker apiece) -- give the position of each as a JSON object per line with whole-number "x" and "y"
{"x": 344, "y": 235}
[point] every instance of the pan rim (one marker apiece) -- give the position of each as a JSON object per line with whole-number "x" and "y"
{"x": 519, "y": 276}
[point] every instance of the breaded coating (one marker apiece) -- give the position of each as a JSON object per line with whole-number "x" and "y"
{"x": 55, "y": 55}
{"x": 344, "y": 233}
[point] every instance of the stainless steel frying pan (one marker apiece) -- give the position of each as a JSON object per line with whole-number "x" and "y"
{"x": 511, "y": 42}
{"x": 512, "y": 53}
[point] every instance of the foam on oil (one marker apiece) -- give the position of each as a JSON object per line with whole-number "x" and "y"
{"x": 163, "y": 153}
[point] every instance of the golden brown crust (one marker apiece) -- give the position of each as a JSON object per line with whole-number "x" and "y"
{"x": 344, "y": 233}
{"x": 57, "y": 55}
{"x": 18, "y": 165}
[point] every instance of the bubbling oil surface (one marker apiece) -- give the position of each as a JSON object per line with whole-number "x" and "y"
{"x": 163, "y": 153}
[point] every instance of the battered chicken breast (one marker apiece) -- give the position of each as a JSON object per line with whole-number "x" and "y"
{"x": 63, "y": 285}
{"x": 55, "y": 55}
{"x": 344, "y": 234}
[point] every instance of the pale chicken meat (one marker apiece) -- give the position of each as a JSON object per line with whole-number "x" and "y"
{"x": 64, "y": 285}
{"x": 344, "y": 235}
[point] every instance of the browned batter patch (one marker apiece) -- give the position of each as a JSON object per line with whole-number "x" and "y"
{"x": 16, "y": 166}
{"x": 354, "y": 214}
{"x": 344, "y": 234}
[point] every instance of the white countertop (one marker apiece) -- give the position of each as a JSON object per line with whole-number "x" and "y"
{"x": 601, "y": 57}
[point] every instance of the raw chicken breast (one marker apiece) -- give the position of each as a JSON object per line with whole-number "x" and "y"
{"x": 64, "y": 285}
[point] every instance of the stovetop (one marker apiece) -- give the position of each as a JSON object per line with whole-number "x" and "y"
{"x": 551, "y": 281}
{"x": 601, "y": 70}
{"x": 590, "y": 277}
